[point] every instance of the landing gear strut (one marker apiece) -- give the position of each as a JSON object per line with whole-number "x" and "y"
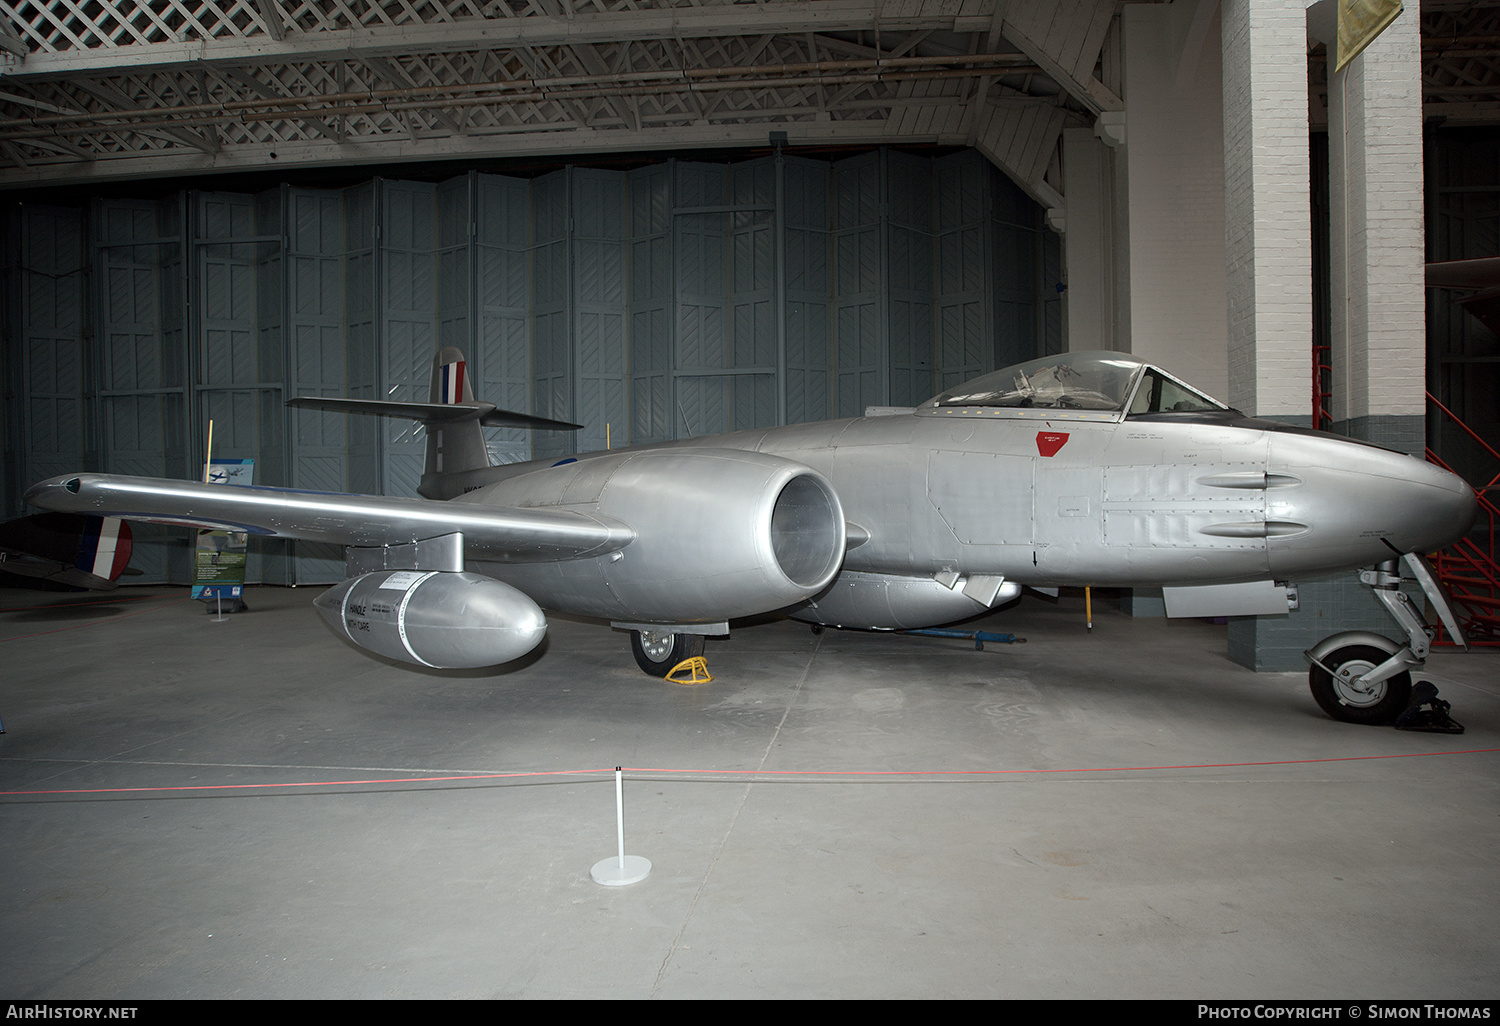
{"x": 1360, "y": 677}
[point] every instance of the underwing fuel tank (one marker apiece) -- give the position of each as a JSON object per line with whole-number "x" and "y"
{"x": 434, "y": 618}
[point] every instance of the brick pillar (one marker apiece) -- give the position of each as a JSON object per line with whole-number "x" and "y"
{"x": 1091, "y": 311}
{"x": 1268, "y": 207}
{"x": 1174, "y": 190}
{"x": 1375, "y": 175}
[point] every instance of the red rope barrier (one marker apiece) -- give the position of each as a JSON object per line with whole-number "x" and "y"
{"x": 735, "y": 774}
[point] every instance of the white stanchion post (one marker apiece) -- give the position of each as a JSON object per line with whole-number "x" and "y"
{"x": 620, "y": 812}
{"x": 621, "y": 869}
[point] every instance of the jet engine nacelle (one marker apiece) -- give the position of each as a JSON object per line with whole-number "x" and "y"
{"x": 434, "y": 618}
{"x": 719, "y": 533}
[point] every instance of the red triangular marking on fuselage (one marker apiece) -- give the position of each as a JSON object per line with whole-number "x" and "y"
{"x": 1048, "y": 442}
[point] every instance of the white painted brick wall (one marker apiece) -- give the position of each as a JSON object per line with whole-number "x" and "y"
{"x": 1268, "y": 210}
{"x": 1088, "y": 242}
{"x": 1375, "y": 147}
{"x": 1175, "y": 198}
{"x": 1220, "y": 217}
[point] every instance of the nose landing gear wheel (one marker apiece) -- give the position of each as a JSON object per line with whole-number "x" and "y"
{"x": 1337, "y": 694}
{"x": 656, "y": 652}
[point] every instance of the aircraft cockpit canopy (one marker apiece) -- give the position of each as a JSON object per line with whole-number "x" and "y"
{"x": 1073, "y": 386}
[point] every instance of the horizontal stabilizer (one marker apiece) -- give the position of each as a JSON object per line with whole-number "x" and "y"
{"x": 438, "y": 413}
{"x": 497, "y": 533}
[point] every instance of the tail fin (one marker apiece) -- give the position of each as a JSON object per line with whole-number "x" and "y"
{"x": 450, "y": 379}
{"x": 454, "y": 445}
{"x": 455, "y": 420}
{"x": 76, "y": 550}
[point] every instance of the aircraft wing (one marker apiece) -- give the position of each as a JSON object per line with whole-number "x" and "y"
{"x": 494, "y": 533}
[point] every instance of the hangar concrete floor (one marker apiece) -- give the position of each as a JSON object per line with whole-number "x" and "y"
{"x": 1117, "y": 814}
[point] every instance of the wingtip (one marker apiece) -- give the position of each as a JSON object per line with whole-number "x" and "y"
{"x": 39, "y": 493}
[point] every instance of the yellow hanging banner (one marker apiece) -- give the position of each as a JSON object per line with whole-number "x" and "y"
{"x": 1360, "y": 21}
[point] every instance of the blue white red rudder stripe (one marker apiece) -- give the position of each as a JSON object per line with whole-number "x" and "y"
{"x": 104, "y": 547}
{"x": 452, "y": 383}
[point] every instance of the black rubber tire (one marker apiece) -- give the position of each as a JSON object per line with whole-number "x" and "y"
{"x": 657, "y": 657}
{"x": 1385, "y": 702}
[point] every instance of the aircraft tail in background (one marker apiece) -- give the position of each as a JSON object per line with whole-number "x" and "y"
{"x": 66, "y": 548}
{"x": 454, "y": 419}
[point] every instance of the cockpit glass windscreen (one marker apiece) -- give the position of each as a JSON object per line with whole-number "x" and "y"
{"x": 1161, "y": 394}
{"x": 1071, "y": 381}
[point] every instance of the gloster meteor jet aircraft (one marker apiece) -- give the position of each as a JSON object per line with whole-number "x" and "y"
{"x": 1080, "y": 469}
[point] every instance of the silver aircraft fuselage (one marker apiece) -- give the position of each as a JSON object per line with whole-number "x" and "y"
{"x": 1078, "y": 469}
{"x": 1134, "y": 503}
{"x": 1069, "y": 498}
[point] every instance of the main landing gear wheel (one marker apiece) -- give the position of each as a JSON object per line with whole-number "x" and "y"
{"x": 656, "y": 652}
{"x": 1339, "y": 697}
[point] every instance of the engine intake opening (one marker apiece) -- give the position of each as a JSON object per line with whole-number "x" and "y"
{"x": 807, "y": 532}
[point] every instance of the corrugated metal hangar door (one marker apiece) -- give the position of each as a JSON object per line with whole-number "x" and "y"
{"x": 676, "y": 299}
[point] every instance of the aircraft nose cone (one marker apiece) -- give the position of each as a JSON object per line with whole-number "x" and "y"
{"x": 1436, "y": 508}
{"x": 1461, "y": 511}
{"x": 1361, "y": 504}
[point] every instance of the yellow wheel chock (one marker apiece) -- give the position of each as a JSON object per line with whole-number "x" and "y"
{"x": 695, "y": 668}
